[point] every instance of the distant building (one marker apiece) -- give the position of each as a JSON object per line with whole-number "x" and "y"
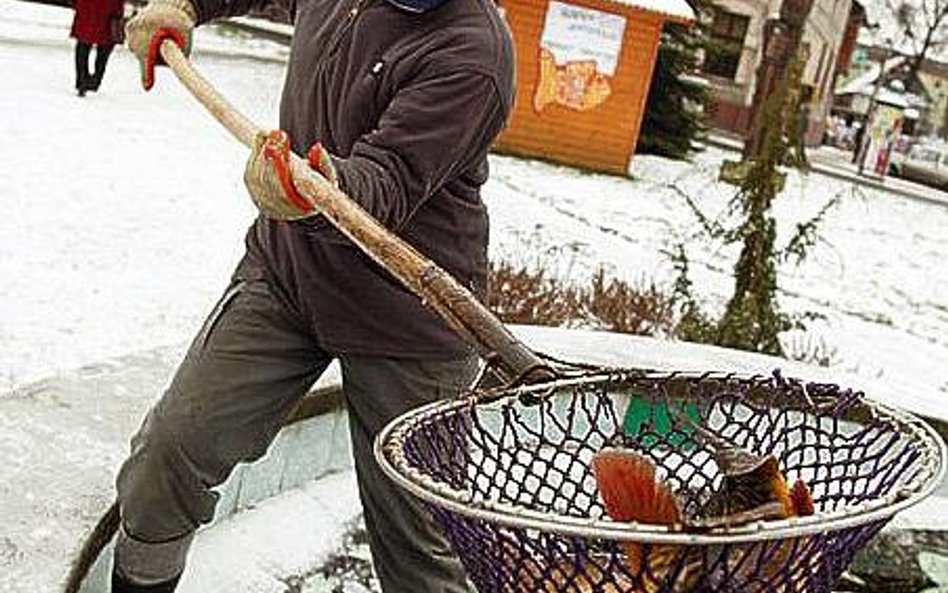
{"x": 730, "y": 67}
{"x": 927, "y": 90}
{"x": 895, "y": 89}
{"x": 934, "y": 78}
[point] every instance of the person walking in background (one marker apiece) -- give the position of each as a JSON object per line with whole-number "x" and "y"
{"x": 96, "y": 23}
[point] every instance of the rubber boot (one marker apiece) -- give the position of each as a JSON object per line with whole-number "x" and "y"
{"x": 102, "y": 53}
{"x": 82, "y": 68}
{"x": 120, "y": 585}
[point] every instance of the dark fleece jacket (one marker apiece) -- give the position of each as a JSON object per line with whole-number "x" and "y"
{"x": 409, "y": 104}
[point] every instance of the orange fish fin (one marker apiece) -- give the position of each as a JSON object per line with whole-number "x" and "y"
{"x": 631, "y": 489}
{"x": 802, "y": 499}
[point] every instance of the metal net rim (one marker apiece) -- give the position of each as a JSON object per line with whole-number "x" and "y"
{"x": 389, "y": 452}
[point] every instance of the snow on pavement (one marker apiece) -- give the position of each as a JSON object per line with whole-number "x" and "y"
{"x": 877, "y": 276}
{"x": 129, "y": 216}
{"x": 126, "y": 212}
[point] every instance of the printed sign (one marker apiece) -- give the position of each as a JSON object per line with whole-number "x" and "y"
{"x": 579, "y": 52}
{"x": 884, "y": 134}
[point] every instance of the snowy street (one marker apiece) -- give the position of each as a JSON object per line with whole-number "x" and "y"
{"x": 130, "y": 214}
{"x": 125, "y": 214}
{"x": 130, "y": 211}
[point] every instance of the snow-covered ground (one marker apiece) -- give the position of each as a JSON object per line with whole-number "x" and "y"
{"x": 877, "y": 275}
{"x": 125, "y": 214}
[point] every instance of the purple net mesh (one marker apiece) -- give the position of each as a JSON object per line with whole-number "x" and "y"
{"x": 508, "y": 477}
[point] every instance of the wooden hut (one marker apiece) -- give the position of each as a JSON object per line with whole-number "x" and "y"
{"x": 583, "y": 73}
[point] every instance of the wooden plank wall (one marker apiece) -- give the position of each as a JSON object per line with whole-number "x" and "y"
{"x": 602, "y": 138}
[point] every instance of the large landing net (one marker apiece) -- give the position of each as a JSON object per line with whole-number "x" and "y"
{"x": 509, "y": 479}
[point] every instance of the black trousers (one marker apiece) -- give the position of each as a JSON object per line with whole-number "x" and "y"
{"x": 246, "y": 369}
{"x": 84, "y": 80}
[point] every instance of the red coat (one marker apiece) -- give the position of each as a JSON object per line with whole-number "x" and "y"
{"x": 91, "y": 23}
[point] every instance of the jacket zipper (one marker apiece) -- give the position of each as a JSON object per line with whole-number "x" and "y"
{"x": 354, "y": 12}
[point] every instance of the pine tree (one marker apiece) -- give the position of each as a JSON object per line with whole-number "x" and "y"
{"x": 753, "y": 319}
{"x": 674, "y": 110}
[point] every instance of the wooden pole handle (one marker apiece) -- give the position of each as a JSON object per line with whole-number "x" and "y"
{"x": 467, "y": 316}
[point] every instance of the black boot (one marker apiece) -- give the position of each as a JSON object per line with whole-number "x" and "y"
{"x": 102, "y": 53}
{"x": 120, "y": 585}
{"x": 82, "y": 68}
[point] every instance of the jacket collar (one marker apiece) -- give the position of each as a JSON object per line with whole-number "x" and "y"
{"x": 417, "y": 6}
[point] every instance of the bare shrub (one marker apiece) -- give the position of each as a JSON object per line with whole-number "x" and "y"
{"x": 621, "y": 307}
{"x": 519, "y": 295}
{"x": 805, "y": 348}
{"x": 530, "y": 297}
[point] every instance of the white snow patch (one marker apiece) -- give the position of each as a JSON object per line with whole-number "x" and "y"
{"x": 125, "y": 215}
{"x": 290, "y": 534}
{"x": 130, "y": 211}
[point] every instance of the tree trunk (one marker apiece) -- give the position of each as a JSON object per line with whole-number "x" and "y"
{"x": 782, "y": 39}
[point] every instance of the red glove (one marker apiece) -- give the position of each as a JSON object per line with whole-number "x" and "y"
{"x": 270, "y": 182}
{"x": 158, "y": 21}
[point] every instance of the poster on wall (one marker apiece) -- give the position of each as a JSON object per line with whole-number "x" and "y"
{"x": 579, "y": 53}
{"x": 886, "y": 126}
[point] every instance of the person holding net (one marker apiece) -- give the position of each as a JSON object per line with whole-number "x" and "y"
{"x": 397, "y": 102}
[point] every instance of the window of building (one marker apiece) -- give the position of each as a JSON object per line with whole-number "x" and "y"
{"x": 723, "y": 56}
